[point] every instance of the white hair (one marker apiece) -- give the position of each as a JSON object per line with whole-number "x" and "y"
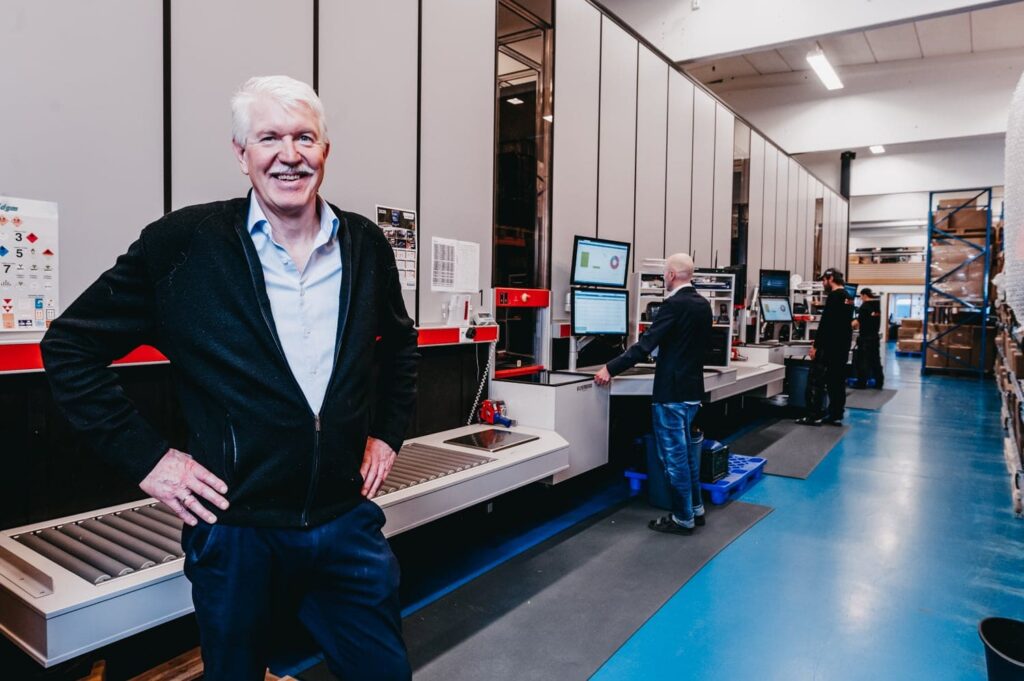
{"x": 286, "y": 91}
{"x": 681, "y": 264}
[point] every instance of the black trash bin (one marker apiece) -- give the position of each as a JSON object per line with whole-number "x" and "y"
{"x": 1004, "y": 648}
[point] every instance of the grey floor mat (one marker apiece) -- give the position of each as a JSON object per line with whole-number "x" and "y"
{"x": 561, "y": 609}
{"x": 793, "y": 451}
{"x": 868, "y": 398}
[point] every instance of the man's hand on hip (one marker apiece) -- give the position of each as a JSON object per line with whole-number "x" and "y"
{"x": 378, "y": 458}
{"x": 176, "y": 480}
{"x": 811, "y": 352}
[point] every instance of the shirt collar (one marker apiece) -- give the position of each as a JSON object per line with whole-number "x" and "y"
{"x": 677, "y": 290}
{"x": 257, "y": 220}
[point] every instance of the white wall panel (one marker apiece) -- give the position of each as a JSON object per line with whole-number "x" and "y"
{"x": 574, "y": 162}
{"x": 456, "y": 136}
{"x": 755, "y": 222}
{"x": 721, "y": 239}
{"x": 211, "y": 56}
{"x": 651, "y": 145}
{"x": 82, "y": 124}
{"x": 703, "y": 177}
{"x": 800, "y": 233}
{"x": 792, "y": 216}
{"x": 781, "y": 209}
{"x": 830, "y": 230}
{"x": 680, "y": 164}
{"x": 845, "y": 227}
{"x": 617, "y": 145}
{"x": 373, "y": 146}
{"x": 771, "y": 171}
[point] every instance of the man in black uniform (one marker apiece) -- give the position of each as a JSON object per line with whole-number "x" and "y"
{"x": 869, "y": 356}
{"x": 681, "y": 333}
{"x": 829, "y": 353}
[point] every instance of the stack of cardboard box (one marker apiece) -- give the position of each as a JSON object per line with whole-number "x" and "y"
{"x": 959, "y": 347}
{"x": 910, "y": 336}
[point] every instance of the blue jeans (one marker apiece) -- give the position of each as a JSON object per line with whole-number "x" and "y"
{"x": 340, "y": 578}
{"x": 672, "y": 424}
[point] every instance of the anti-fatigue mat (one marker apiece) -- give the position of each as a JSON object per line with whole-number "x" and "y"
{"x": 792, "y": 450}
{"x": 868, "y": 398}
{"x": 561, "y": 609}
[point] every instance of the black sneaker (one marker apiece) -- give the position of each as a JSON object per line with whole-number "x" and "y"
{"x": 699, "y": 520}
{"x": 828, "y": 421}
{"x": 808, "y": 421}
{"x": 669, "y": 526}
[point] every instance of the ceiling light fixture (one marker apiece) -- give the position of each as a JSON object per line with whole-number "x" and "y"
{"x": 515, "y": 100}
{"x": 819, "y": 62}
{"x": 877, "y": 149}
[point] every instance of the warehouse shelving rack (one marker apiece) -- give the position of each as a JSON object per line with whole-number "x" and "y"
{"x": 936, "y": 299}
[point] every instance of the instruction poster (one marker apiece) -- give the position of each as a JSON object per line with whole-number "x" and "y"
{"x": 28, "y": 264}
{"x": 399, "y": 226}
{"x": 455, "y": 265}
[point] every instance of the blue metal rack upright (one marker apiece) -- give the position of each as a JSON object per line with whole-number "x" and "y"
{"x": 960, "y": 311}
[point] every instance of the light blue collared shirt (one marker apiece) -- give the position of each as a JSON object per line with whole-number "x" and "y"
{"x": 304, "y": 304}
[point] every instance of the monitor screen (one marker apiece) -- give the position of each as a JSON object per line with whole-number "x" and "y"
{"x": 774, "y": 283}
{"x": 776, "y": 310}
{"x": 851, "y": 289}
{"x": 599, "y": 262}
{"x": 599, "y": 313}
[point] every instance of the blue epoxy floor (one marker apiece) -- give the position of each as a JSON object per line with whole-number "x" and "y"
{"x": 879, "y": 566}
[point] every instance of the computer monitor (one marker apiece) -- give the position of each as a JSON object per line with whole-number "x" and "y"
{"x": 776, "y": 310}
{"x": 851, "y": 289}
{"x": 774, "y": 283}
{"x": 599, "y": 313}
{"x": 599, "y": 262}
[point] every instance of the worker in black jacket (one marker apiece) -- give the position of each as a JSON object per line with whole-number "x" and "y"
{"x": 274, "y": 311}
{"x": 829, "y": 354}
{"x": 681, "y": 332}
{"x": 869, "y": 351}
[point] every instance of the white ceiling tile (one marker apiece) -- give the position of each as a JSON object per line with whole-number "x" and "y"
{"x": 998, "y": 28}
{"x": 945, "y": 35}
{"x": 848, "y": 49}
{"x": 796, "y": 55}
{"x": 894, "y": 43}
{"x": 769, "y": 61}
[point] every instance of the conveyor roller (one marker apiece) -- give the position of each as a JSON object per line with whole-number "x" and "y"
{"x": 419, "y": 463}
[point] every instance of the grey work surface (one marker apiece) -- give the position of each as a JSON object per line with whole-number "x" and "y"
{"x": 792, "y": 450}
{"x": 561, "y": 609}
{"x": 868, "y": 398}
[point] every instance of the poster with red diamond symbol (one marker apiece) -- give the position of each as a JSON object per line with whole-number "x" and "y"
{"x": 29, "y": 277}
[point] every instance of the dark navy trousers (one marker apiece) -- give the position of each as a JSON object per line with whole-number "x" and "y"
{"x": 340, "y": 578}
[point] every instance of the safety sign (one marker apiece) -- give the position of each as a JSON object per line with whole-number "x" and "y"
{"x": 28, "y": 264}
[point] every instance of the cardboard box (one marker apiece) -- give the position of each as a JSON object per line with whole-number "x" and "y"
{"x": 908, "y": 345}
{"x": 905, "y": 333}
{"x": 917, "y": 324}
{"x": 935, "y": 360}
{"x": 960, "y": 357}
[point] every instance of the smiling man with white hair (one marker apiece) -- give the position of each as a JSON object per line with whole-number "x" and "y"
{"x": 283, "y": 319}
{"x": 681, "y": 332}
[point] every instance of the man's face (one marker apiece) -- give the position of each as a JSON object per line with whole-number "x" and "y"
{"x": 283, "y": 156}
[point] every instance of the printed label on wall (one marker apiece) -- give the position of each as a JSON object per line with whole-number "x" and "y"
{"x": 399, "y": 226}
{"x": 28, "y": 264}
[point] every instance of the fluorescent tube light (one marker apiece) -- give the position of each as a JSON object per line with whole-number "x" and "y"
{"x": 514, "y": 100}
{"x": 819, "y": 62}
{"x": 877, "y": 149}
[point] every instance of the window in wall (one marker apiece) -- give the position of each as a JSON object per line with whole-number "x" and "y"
{"x": 523, "y": 137}
{"x": 906, "y": 306}
{"x": 740, "y": 192}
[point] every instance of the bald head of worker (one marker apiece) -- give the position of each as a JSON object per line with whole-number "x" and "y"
{"x": 678, "y": 271}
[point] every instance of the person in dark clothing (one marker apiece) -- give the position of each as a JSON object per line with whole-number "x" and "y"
{"x": 275, "y": 310}
{"x": 869, "y": 350}
{"x": 829, "y": 354}
{"x": 681, "y": 333}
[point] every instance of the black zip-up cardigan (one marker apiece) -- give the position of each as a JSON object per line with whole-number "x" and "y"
{"x": 192, "y": 286}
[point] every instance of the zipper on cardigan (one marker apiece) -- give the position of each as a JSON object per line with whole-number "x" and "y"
{"x": 316, "y": 471}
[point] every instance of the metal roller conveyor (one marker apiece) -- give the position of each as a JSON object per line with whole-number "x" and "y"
{"x": 402, "y": 477}
{"x": 64, "y": 559}
{"x": 428, "y": 459}
{"x": 111, "y": 566}
{"x": 166, "y": 518}
{"x": 141, "y": 533}
{"x": 425, "y": 471}
{"x": 135, "y": 560}
{"x": 418, "y": 463}
{"x": 166, "y": 510}
{"x": 474, "y": 459}
{"x": 172, "y": 533}
{"x": 154, "y": 553}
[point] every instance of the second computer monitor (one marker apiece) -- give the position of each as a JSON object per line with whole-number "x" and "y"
{"x": 774, "y": 283}
{"x": 599, "y": 313}
{"x": 776, "y": 310}
{"x": 599, "y": 262}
